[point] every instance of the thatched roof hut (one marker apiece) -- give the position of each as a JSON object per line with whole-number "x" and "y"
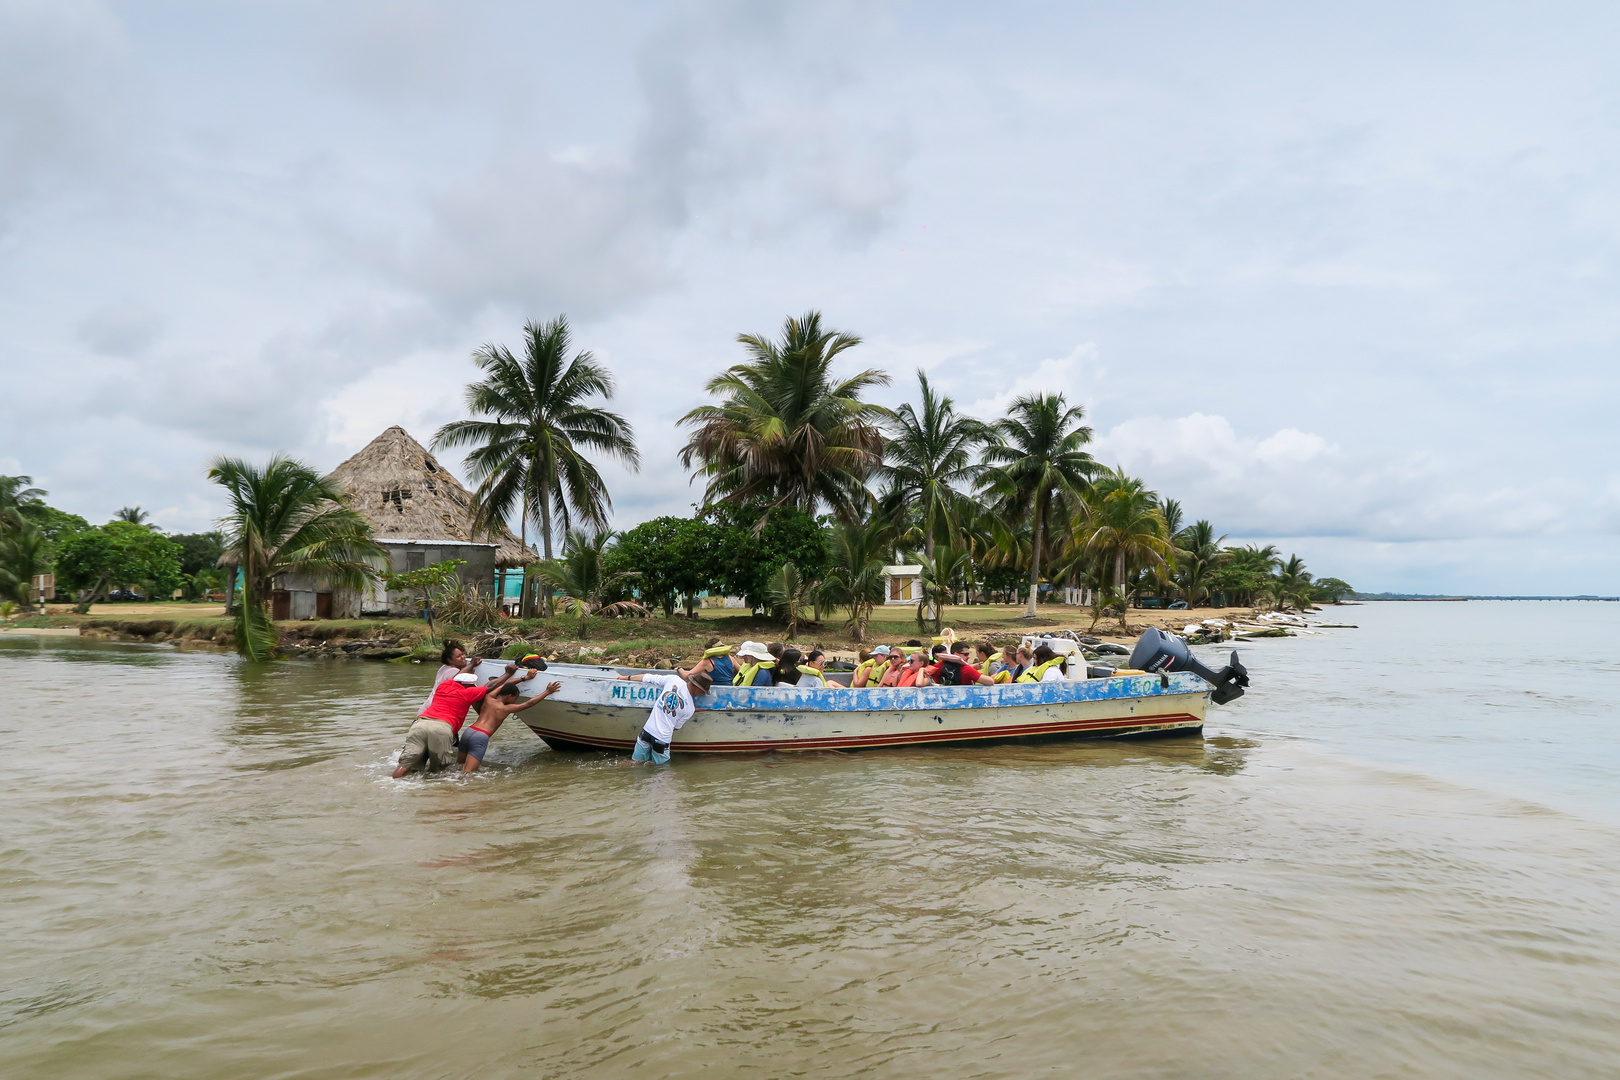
{"x": 407, "y": 495}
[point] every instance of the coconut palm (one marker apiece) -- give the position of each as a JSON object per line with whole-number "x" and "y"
{"x": 785, "y": 432}
{"x": 24, "y": 552}
{"x": 928, "y": 459}
{"x": 583, "y": 579}
{"x": 790, "y": 593}
{"x": 134, "y": 515}
{"x": 19, "y": 500}
{"x": 287, "y": 519}
{"x": 854, "y": 577}
{"x": 1124, "y": 527}
{"x": 1292, "y": 585}
{"x": 1198, "y": 554}
{"x": 537, "y": 421}
{"x": 1037, "y": 471}
{"x": 943, "y": 574}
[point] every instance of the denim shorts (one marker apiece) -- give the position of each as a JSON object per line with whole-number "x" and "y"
{"x": 474, "y": 743}
{"x": 644, "y": 752}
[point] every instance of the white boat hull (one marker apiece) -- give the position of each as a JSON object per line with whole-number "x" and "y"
{"x": 595, "y": 710}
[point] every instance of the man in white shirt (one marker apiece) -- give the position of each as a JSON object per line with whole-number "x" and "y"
{"x": 672, "y": 708}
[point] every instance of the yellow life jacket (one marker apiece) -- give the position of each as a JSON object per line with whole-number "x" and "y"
{"x": 1036, "y": 673}
{"x": 874, "y": 671}
{"x": 1002, "y": 676}
{"x": 806, "y": 669}
{"x": 747, "y": 672}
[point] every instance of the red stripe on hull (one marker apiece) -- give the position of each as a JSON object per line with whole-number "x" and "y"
{"x": 897, "y": 739}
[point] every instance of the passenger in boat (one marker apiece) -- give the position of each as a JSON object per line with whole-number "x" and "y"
{"x": 950, "y": 668}
{"x": 717, "y": 662}
{"x": 492, "y": 713}
{"x": 1048, "y": 667}
{"x": 986, "y": 658}
{"x": 872, "y": 668}
{"x": 672, "y": 708}
{"x": 431, "y": 742}
{"x": 811, "y": 671}
{"x": 913, "y": 673}
{"x": 786, "y": 672}
{"x": 754, "y": 665}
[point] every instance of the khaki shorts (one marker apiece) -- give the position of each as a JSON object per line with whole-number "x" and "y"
{"x": 430, "y": 740}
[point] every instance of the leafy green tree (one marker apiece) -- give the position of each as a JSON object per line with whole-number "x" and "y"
{"x": 1244, "y": 573}
{"x": 423, "y": 584}
{"x": 285, "y": 518}
{"x": 199, "y": 551}
{"x": 117, "y": 553}
{"x": 1037, "y": 470}
{"x": 58, "y": 525}
{"x": 786, "y": 434}
{"x": 1331, "y": 590}
{"x": 24, "y": 552}
{"x": 928, "y": 460}
{"x": 529, "y": 453}
{"x": 583, "y": 579}
{"x": 749, "y": 554}
{"x": 673, "y": 558}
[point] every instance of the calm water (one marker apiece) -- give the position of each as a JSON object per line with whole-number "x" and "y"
{"x": 1396, "y": 858}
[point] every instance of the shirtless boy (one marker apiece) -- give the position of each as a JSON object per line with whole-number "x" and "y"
{"x": 492, "y": 713}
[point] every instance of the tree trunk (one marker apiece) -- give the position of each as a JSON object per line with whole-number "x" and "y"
{"x": 525, "y": 609}
{"x": 1035, "y": 558}
{"x": 545, "y": 586}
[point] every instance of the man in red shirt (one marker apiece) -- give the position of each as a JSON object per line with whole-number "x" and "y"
{"x": 952, "y": 669}
{"x": 432, "y": 739}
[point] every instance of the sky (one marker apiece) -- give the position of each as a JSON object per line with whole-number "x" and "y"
{"x": 1343, "y": 278}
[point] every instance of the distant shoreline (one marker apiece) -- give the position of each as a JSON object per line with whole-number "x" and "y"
{"x": 1454, "y": 599}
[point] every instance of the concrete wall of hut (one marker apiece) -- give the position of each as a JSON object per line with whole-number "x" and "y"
{"x": 478, "y": 569}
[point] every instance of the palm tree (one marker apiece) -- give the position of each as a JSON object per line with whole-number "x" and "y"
{"x": 1292, "y": 585}
{"x": 528, "y": 455}
{"x": 1037, "y": 471}
{"x": 790, "y": 593}
{"x": 287, "y": 519}
{"x": 855, "y": 569}
{"x": 24, "y": 552}
{"x": 1170, "y": 510}
{"x": 1125, "y": 526}
{"x": 943, "y": 573}
{"x": 133, "y": 514}
{"x": 583, "y": 578}
{"x": 19, "y": 499}
{"x": 928, "y": 457}
{"x": 785, "y": 432}
{"x": 1198, "y": 554}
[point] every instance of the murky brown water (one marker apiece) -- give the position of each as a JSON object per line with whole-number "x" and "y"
{"x": 206, "y": 873}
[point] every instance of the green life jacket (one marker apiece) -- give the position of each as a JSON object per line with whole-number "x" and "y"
{"x": 874, "y": 671}
{"x": 1035, "y": 673}
{"x": 806, "y": 669}
{"x": 747, "y": 672}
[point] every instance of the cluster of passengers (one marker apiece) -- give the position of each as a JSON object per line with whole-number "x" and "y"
{"x": 946, "y": 664}
{"x": 441, "y": 736}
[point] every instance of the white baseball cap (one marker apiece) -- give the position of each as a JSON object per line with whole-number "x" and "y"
{"x": 466, "y": 678}
{"x": 880, "y": 650}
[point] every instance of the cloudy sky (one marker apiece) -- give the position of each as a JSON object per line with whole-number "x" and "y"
{"x": 1341, "y": 277}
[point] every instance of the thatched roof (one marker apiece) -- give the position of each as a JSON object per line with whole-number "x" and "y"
{"x": 407, "y": 495}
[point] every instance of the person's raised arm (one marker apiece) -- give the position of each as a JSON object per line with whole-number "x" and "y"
{"x": 537, "y": 699}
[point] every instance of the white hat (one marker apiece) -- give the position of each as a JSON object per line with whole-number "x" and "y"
{"x": 880, "y": 650}
{"x": 754, "y": 649}
{"x": 466, "y": 678}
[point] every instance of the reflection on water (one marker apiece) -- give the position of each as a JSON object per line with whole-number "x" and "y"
{"x": 214, "y": 876}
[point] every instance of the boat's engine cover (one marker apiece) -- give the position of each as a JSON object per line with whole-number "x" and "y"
{"x": 1158, "y": 651}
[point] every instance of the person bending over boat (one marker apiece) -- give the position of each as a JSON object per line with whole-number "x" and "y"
{"x": 452, "y": 662}
{"x": 492, "y": 713}
{"x": 870, "y": 672}
{"x": 754, "y": 665}
{"x": 672, "y": 708}
{"x": 431, "y": 742}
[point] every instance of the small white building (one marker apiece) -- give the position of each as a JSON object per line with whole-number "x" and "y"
{"x": 904, "y": 584}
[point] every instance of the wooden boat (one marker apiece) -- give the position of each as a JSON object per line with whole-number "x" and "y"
{"x": 596, "y": 710}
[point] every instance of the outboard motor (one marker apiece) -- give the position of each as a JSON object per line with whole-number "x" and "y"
{"x": 1158, "y": 651}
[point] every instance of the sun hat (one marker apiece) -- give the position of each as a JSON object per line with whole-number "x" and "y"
{"x": 467, "y": 678}
{"x": 755, "y": 650}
